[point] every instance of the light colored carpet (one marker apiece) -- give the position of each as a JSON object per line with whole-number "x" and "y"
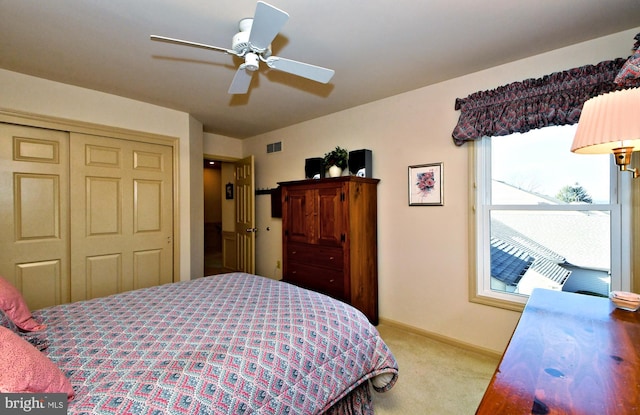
{"x": 434, "y": 377}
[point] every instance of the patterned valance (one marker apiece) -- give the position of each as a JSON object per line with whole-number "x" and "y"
{"x": 554, "y": 99}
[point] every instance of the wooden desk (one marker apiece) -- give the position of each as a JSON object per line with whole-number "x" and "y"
{"x": 569, "y": 354}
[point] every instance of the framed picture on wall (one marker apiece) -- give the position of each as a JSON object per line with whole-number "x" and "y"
{"x": 425, "y": 185}
{"x": 228, "y": 191}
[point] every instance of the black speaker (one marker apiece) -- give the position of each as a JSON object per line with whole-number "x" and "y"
{"x": 313, "y": 168}
{"x": 360, "y": 163}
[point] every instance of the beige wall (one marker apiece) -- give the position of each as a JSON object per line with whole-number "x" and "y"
{"x": 42, "y": 97}
{"x": 220, "y": 146}
{"x": 423, "y": 258}
{"x": 196, "y": 200}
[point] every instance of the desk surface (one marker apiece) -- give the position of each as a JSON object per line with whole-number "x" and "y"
{"x": 569, "y": 354}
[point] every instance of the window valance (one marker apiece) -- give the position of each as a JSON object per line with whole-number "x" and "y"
{"x": 554, "y": 99}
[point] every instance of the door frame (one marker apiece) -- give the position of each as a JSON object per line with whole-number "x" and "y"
{"x": 73, "y": 126}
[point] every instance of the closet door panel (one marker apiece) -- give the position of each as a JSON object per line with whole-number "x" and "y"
{"x": 122, "y": 217}
{"x": 40, "y": 283}
{"x": 34, "y": 207}
{"x": 104, "y": 275}
{"x": 103, "y": 214}
{"x": 152, "y": 214}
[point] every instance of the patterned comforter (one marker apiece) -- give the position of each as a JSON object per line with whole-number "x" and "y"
{"x": 229, "y": 344}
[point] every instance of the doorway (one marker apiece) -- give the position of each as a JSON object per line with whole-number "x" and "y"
{"x": 213, "y": 259}
{"x": 229, "y": 205}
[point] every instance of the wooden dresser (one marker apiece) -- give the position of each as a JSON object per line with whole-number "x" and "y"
{"x": 329, "y": 239}
{"x": 569, "y": 354}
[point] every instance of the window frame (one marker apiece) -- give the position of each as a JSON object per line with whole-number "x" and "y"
{"x": 619, "y": 206}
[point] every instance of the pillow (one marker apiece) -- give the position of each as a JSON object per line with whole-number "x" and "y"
{"x": 36, "y": 338}
{"x": 5, "y": 321}
{"x": 23, "y": 369}
{"x": 12, "y": 303}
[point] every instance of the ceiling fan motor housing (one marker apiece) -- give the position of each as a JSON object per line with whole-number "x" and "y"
{"x": 240, "y": 41}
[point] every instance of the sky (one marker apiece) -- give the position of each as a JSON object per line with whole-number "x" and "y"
{"x": 541, "y": 161}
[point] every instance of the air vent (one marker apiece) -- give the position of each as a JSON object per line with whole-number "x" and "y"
{"x": 274, "y": 147}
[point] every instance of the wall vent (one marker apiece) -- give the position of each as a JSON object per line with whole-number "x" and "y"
{"x": 274, "y": 147}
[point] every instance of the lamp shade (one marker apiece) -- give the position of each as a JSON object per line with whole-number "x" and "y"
{"x": 609, "y": 121}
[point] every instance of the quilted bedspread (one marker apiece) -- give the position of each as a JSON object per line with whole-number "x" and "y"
{"x": 229, "y": 344}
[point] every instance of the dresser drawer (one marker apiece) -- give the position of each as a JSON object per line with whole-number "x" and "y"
{"x": 325, "y": 256}
{"x": 323, "y": 280}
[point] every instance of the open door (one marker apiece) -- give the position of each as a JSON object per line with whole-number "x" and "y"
{"x": 245, "y": 216}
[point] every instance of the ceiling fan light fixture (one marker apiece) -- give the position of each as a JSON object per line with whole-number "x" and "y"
{"x": 251, "y": 62}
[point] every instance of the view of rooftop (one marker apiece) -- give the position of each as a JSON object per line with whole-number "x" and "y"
{"x": 541, "y": 246}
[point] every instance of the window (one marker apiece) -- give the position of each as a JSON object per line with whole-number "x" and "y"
{"x": 547, "y": 218}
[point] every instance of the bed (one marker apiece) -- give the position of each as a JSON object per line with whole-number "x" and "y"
{"x": 227, "y": 344}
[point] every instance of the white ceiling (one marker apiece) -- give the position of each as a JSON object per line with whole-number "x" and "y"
{"x": 377, "y": 48}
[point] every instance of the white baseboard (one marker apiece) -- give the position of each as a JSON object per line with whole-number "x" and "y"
{"x": 441, "y": 338}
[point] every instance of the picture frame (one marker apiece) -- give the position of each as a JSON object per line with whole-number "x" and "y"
{"x": 426, "y": 184}
{"x": 228, "y": 190}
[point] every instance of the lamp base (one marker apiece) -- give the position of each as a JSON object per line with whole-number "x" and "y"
{"x": 622, "y": 156}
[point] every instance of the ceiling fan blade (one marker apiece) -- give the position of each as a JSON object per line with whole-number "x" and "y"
{"x": 267, "y": 22}
{"x": 241, "y": 81}
{"x": 193, "y": 44}
{"x": 305, "y": 70}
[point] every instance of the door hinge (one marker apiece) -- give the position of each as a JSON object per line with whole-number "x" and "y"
{"x": 343, "y": 237}
{"x": 342, "y": 197}
{"x": 286, "y": 198}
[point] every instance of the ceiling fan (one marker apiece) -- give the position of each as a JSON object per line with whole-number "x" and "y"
{"x": 253, "y": 43}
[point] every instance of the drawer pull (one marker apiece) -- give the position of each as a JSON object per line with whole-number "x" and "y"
{"x": 331, "y": 258}
{"x": 332, "y": 281}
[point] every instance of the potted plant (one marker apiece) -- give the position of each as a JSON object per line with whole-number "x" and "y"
{"x": 335, "y": 161}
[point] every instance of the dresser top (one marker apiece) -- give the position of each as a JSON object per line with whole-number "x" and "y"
{"x": 569, "y": 354}
{"x": 330, "y": 180}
